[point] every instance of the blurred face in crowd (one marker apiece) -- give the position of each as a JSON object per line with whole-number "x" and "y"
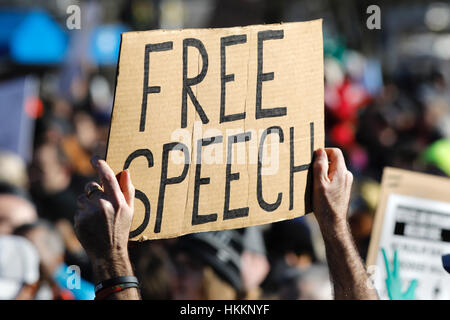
{"x": 50, "y": 251}
{"x": 255, "y": 268}
{"x": 61, "y": 108}
{"x": 86, "y": 130}
{"x": 28, "y": 292}
{"x": 14, "y": 212}
{"x": 312, "y": 284}
{"x": 315, "y": 291}
{"x": 48, "y": 169}
{"x": 187, "y": 281}
{"x": 306, "y": 290}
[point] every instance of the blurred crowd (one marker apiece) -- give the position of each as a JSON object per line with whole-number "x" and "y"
{"x": 398, "y": 117}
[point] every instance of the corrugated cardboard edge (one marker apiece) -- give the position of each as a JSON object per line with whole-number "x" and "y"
{"x": 114, "y": 97}
{"x": 128, "y": 33}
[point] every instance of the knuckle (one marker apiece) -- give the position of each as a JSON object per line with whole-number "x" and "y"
{"x": 337, "y": 152}
{"x": 106, "y": 206}
{"x": 349, "y": 176}
{"x": 318, "y": 166}
{"x": 121, "y": 204}
{"x": 349, "y": 182}
{"x": 321, "y": 186}
{"x": 109, "y": 178}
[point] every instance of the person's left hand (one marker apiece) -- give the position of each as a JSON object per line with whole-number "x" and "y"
{"x": 104, "y": 216}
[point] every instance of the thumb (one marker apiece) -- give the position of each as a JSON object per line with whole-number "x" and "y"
{"x": 127, "y": 187}
{"x": 320, "y": 166}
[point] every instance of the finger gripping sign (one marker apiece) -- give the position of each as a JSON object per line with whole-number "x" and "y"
{"x": 218, "y": 126}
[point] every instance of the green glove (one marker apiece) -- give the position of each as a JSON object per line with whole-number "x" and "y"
{"x": 394, "y": 282}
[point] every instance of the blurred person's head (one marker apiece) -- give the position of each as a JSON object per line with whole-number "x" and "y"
{"x": 15, "y": 209}
{"x": 51, "y": 129}
{"x": 82, "y": 143}
{"x": 48, "y": 242}
{"x": 291, "y": 240}
{"x": 312, "y": 283}
{"x": 50, "y": 247}
{"x": 19, "y": 268}
{"x": 208, "y": 266}
{"x": 152, "y": 267}
{"x": 438, "y": 79}
{"x": 13, "y": 170}
{"x": 50, "y": 171}
{"x": 290, "y": 249}
{"x": 85, "y": 130}
{"x": 254, "y": 263}
{"x": 61, "y": 108}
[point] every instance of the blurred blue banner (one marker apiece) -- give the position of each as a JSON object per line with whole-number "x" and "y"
{"x": 9, "y": 21}
{"x": 18, "y": 109}
{"x": 33, "y": 37}
{"x": 105, "y": 44}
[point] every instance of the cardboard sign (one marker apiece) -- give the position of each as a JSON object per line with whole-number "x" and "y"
{"x": 413, "y": 217}
{"x": 218, "y": 126}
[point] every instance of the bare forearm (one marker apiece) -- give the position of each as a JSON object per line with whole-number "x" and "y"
{"x": 102, "y": 225}
{"x": 332, "y": 189}
{"x": 349, "y": 277}
{"x": 104, "y": 270}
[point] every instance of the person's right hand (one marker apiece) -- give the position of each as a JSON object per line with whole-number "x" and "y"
{"x": 104, "y": 216}
{"x": 332, "y": 184}
{"x": 331, "y": 190}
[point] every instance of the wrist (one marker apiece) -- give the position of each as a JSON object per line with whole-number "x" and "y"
{"x": 116, "y": 265}
{"x": 335, "y": 230}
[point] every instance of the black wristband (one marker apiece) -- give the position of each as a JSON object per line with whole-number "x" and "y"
{"x": 115, "y": 281}
{"x": 107, "y": 291}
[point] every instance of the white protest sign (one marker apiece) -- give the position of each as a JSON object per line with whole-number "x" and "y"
{"x": 411, "y": 220}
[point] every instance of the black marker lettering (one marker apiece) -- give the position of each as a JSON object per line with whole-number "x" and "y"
{"x": 205, "y": 218}
{"x": 303, "y": 167}
{"x": 263, "y": 204}
{"x": 240, "y": 212}
{"x": 173, "y": 180}
{"x": 273, "y": 112}
{"x": 188, "y": 82}
{"x": 224, "y": 78}
{"x": 138, "y": 193}
{"x": 152, "y": 47}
